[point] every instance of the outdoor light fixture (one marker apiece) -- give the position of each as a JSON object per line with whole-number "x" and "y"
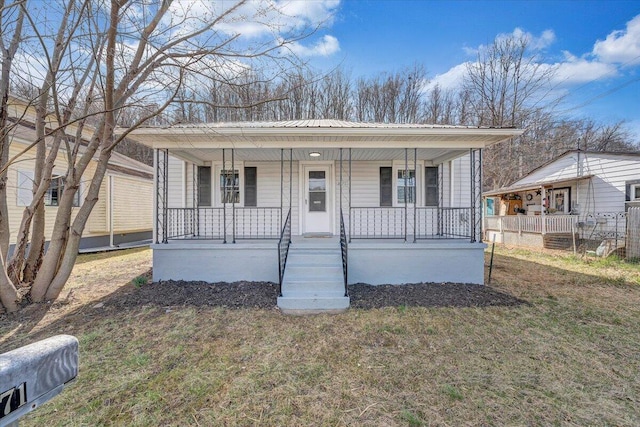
{"x": 314, "y": 154}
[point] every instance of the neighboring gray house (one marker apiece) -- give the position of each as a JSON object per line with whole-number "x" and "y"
{"x": 582, "y": 194}
{"x": 316, "y": 204}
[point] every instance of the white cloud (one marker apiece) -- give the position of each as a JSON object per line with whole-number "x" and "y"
{"x": 576, "y": 70}
{"x": 256, "y": 18}
{"x": 621, "y": 46}
{"x": 451, "y": 80}
{"x": 326, "y": 46}
{"x": 545, "y": 39}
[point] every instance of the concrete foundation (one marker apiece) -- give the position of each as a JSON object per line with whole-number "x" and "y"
{"x": 429, "y": 261}
{"x": 216, "y": 262}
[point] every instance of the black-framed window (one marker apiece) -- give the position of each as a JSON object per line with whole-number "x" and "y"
{"x": 431, "y": 184}
{"x": 204, "y": 185}
{"x": 632, "y": 190}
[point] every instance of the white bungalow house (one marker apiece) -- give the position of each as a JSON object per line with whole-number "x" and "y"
{"x": 318, "y": 204}
{"x": 580, "y": 195}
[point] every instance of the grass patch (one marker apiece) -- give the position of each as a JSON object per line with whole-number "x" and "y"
{"x": 570, "y": 357}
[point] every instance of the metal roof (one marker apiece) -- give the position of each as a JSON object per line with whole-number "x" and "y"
{"x": 315, "y": 123}
{"x": 534, "y": 185}
{"x": 319, "y": 133}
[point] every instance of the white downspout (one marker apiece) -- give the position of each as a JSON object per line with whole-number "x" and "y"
{"x": 111, "y": 210}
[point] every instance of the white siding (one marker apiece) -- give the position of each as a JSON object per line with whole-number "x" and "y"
{"x": 132, "y": 204}
{"x": 604, "y": 192}
{"x": 460, "y": 189}
{"x": 176, "y": 183}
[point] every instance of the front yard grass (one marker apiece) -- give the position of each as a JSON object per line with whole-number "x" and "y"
{"x": 571, "y": 356}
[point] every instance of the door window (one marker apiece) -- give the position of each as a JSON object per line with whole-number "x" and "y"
{"x": 317, "y": 191}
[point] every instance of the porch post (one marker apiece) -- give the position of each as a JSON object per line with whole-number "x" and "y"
{"x": 162, "y": 189}
{"x": 349, "y": 195}
{"x": 281, "y": 183}
{"x": 223, "y": 172}
{"x": 415, "y": 196}
{"x": 233, "y": 195}
{"x": 476, "y": 195}
{"x": 406, "y": 173}
{"x": 290, "y": 178}
{"x": 440, "y": 197}
{"x": 340, "y": 182}
{"x": 543, "y": 215}
{"x": 195, "y": 201}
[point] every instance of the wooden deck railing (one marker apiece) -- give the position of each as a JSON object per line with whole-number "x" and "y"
{"x": 548, "y": 224}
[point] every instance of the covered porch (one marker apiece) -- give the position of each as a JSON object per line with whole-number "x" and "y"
{"x": 330, "y": 201}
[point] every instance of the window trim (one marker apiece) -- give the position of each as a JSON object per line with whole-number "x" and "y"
{"x": 632, "y": 189}
{"x": 400, "y": 165}
{"x": 27, "y": 195}
{"x": 551, "y": 195}
{"x": 217, "y": 191}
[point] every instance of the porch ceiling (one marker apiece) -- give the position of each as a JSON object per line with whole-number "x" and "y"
{"x": 435, "y": 155}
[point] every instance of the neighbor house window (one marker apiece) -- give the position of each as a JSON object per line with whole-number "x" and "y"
{"x": 431, "y": 196}
{"x": 560, "y": 200}
{"x": 229, "y": 186}
{"x": 204, "y": 185}
{"x": 52, "y": 197}
{"x": 635, "y": 192}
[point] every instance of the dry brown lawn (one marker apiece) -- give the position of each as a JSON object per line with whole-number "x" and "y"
{"x": 570, "y": 356}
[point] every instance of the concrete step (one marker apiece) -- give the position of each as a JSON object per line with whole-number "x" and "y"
{"x": 295, "y": 272}
{"x": 312, "y": 305}
{"x": 313, "y": 279}
{"x": 295, "y": 259}
{"x": 312, "y": 286}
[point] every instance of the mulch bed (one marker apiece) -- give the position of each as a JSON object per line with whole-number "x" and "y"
{"x": 264, "y": 294}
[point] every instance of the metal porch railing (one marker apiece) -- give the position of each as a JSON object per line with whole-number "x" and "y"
{"x": 345, "y": 254}
{"x": 283, "y": 250}
{"x": 423, "y": 223}
{"x": 209, "y": 223}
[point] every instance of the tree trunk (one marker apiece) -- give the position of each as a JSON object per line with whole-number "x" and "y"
{"x": 8, "y": 292}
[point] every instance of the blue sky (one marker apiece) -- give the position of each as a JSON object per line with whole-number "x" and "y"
{"x": 595, "y": 44}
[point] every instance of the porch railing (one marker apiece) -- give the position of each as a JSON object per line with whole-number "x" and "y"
{"x": 377, "y": 223}
{"x": 443, "y": 223}
{"x": 208, "y": 223}
{"x": 283, "y": 250}
{"x": 549, "y": 224}
{"x": 430, "y": 223}
{"x": 195, "y": 223}
{"x": 345, "y": 254}
{"x": 257, "y": 223}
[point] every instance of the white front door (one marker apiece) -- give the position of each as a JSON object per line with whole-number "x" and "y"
{"x": 317, "y": 199}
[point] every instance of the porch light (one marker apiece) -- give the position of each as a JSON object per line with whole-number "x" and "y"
{"x": 314, "y": 154}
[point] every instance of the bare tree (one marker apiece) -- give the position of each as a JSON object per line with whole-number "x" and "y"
{"x": 108, "y": 60}
{"x": 506, "y": 85}
{"x": 11, "y": 22}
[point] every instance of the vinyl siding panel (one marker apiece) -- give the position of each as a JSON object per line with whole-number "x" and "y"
{"x": 176, "y": 183}
{"x": 132, "y": 204}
